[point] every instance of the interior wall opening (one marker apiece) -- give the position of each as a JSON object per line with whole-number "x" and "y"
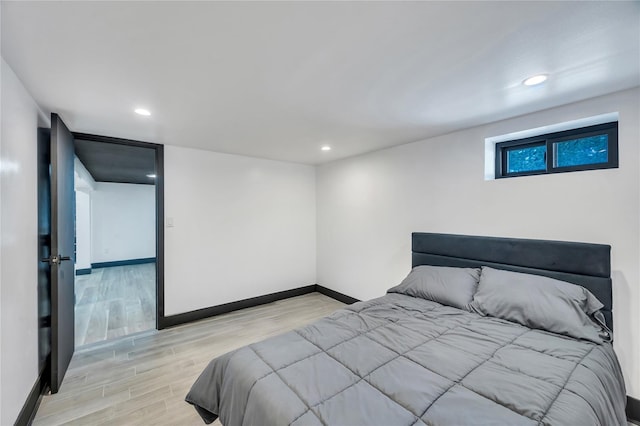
{"x": 115, "y": 240}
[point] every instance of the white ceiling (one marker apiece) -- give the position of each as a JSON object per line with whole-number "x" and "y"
{"x": 279, "y": 79}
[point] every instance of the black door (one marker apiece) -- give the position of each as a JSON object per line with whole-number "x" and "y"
{"x": 62, "y": 250}
{"x": 44, "y": 251}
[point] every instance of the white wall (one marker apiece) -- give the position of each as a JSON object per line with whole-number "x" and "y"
{"x": 123, "y": 222}
{"x": 243, "y": 227}
{"x": 369, "y": 205}
{"x": 2, "y": 65}
{"x": 84, "y": 186}
{"x": 83, "y": 179}
{"x": 83, "y": 230}
{"x": 18, "y": 229}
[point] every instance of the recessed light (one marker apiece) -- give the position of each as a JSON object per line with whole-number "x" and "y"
{"x": 326, "y": 148}
{"x": 143, "y": 111}
{"x": 536, "y": 79}
{"x": 152, "y": 176}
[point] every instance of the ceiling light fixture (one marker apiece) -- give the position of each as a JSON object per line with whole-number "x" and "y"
{"x": 326, "y": 148}
{"x": 152, "y": 176}
{"x": 142, "y": 111}
{"x": 535, "y": 80}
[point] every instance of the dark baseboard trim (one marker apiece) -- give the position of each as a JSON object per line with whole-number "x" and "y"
{"x": 186, "y": 317}
{"x": 86, "y": 271}
{"x": 633, "y": 410}
{"x": 30, "y": 407}
{"x": 336, "y": 295}
{"x": 123, "y": 262}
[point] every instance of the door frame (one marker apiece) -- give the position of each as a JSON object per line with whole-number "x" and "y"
{"x": 160, "y": 318}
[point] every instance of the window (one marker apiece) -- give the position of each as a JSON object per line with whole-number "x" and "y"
{"x": 586, "y": 148}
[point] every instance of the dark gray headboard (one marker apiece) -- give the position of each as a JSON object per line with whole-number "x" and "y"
{"x": 588, "y": 265}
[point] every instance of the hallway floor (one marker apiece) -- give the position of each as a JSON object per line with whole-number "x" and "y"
{"x": 113, "y": 302}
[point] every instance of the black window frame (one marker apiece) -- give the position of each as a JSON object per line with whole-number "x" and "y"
{"x": 548, "y": 140}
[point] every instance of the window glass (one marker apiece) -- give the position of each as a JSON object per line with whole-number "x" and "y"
{"x": 526, "y": 159}
{"x": 576, "y": 152}
{"x": 586, "y": 148}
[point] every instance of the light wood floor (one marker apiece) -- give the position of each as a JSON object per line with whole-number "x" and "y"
{"x": 114, "y": 302}
{"x": 143, "y": 379}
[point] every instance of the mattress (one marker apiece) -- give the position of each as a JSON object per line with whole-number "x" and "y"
{"x": 401, "y": 360}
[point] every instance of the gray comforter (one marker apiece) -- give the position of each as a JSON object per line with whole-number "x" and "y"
{"x": 400, "y": 360}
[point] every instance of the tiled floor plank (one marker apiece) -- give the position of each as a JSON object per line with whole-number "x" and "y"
{"x": 114, "y": 302}
{"x": 142, "y": 379}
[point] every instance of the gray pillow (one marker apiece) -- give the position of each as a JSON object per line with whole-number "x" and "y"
{"x": 541, "y": 303}
{"x": 448, "y": 286}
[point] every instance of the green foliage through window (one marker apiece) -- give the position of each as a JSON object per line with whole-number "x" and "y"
{"x": 587, "y": 148}
{"x": 527, "y": 159}
{"x": 575, "y": 152}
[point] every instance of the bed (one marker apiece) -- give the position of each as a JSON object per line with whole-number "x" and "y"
{"x": 483, "y": 331}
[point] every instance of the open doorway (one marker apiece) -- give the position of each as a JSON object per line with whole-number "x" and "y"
{"x": 116, "y": 238}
